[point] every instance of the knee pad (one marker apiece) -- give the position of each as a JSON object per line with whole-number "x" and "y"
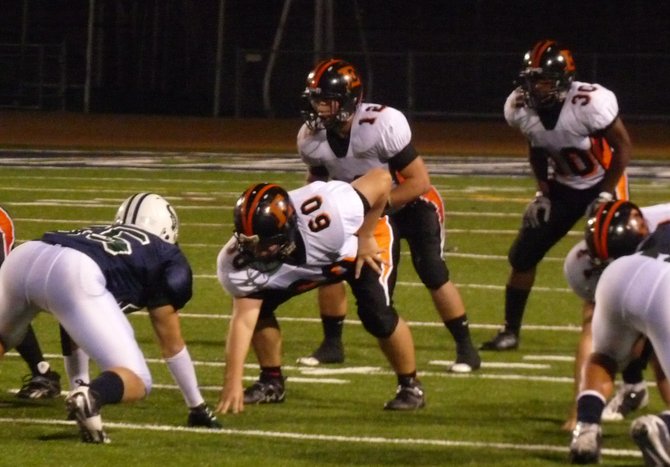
{"x": 522, "y": 259}
{"x": 266, "y": 322}
{"x": 379, "y": 324}
{"x": 434, "y": 274}
{"x": 528, "y": 249}
{"x": 428, "y": 261}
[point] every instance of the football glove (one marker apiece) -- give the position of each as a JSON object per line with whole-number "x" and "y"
{"x": 603, "y": 197}
{"x": 537, "y": 212}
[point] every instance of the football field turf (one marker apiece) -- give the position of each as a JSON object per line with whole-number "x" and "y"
{"x": 509, "y": 413}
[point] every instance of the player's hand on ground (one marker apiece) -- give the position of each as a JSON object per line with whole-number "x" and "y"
{"x": 231, "y": 399}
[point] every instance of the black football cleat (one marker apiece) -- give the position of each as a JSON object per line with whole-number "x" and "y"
{"x": 467, "y": 361}
{"x": 330, "y": 351}
{"x": 45, "y": 386}
{"x": 265, "y": 392}
{"x": 504, "y": 340}
{"x": 409, "y": 397}
{"x": 202, "y": 416}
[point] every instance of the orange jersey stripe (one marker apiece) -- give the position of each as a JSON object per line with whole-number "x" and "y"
{"x": 602, "y": 151}
{"x": 433, "y": 197}
{"x": 384, "y": 237}
{"x": 7, "y": 228}
{"x": 621, "y": 190}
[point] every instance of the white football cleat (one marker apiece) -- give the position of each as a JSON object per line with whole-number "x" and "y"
{"x": 83, "y": 407}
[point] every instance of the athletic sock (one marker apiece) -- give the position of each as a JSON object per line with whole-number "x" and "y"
{"x": 108, "y": 388}
{"x": 407, "y": 379}
{"x": 460, "y": 330}
{"x": 515, "y": 305}
{"x": 590, "y": 407}
{"x": 332, "y": 327}
{"x": 632, "y": 374}
{"x": 30, "y": 351}
{"x": 269, "y": 373}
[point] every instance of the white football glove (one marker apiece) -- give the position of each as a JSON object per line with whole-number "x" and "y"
{"x": 603, "y": 197}
{"x": 537, "y": 212}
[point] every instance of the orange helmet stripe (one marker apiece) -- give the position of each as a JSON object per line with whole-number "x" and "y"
{"x": 569, "y": 61}
{"x": 250, "y": 206}
{"x": 601, "y": 228}
{"x": 320, "y": 69}
{"x": 538, "y": 50}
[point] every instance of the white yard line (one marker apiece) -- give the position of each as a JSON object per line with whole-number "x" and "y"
{"x": 311, "y": 437}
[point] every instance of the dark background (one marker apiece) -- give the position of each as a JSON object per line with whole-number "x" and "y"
{"x": 432, "y": 59}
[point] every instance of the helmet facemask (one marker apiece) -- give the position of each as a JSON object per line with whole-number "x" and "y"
{"x": 266, "y": 250}
{"x": 339, "y": 113}
{"x": 265, "y": 226}
{"x": 546, "y": 75}
{"x": 542, "y": 90}
{"x": 334, "y": 84}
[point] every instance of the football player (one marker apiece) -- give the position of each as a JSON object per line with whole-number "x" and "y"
{"x": 42, "y": 382}
{"x": 631, "y": 303}
{"x": 578, "y": 151}
{"x": 286, "y": 243}
{"x": 342, "y": 138}
{"x": 173, "y": 347}
{"x": 582, "y": 272}
{"x": 88, "y": 278}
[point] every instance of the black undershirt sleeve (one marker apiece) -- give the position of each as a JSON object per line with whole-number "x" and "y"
{"x": 403, "y": 158}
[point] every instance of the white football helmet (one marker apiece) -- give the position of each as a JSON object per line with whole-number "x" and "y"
{"x": 582, "y": 272}
{"x": 152, "y": 213}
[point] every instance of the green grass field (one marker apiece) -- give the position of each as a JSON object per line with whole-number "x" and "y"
{"x": 508, "y": 414}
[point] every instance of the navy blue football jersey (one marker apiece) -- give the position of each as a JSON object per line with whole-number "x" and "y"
{"x": 658, "y": 243}
{"x": 141, "y": 269}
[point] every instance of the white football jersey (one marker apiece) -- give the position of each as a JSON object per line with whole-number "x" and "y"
{"x": 329, "y": 215}
{"x": 377, "y": 134}
{"x": 577, "y": 156}
{"x": 632, "y": 299}
{"x": 579, "y": 268}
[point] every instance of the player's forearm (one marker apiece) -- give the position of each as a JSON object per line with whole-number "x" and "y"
{"x": 408, "y": 191}
{"x": 617, "y": 136}
{"x": 241, "y": 330}
{"x": 236, "y": 353}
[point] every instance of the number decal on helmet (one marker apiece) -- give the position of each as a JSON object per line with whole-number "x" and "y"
{"x": 152, "y": 213}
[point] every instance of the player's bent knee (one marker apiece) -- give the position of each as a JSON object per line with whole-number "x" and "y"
{"x": 379, "y": 325}
{"x": 522, "y": 262}
{"x": 269, "y": 321}
{"x": 435, "y": 281}
{"x": 433, "y": 272}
